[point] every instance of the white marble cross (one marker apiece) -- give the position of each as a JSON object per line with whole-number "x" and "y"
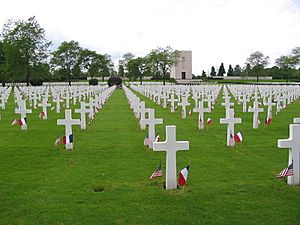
{"x": 172, "y": 100}
{"x": 227, "y": 104}
{"x": 23, "y": 111}
{"x": 293, "y": 144}
{"x": 164, "y": 97}
{"x": 256, "y": 110}
{"x": 171, "y": 146}
{"x": 68, "y": 122}
{"x": 201, "y": 110}
{"x": 269, "y": 104}
{"x": 82, "y": 112}
{"x": 230, "y": 121}
{"x": 183, "y": 105}
{"x": 151, "y": 121}
{"x": 57, "y": 100}
{"x": 44, "y": 106}
{"x": 67, "y": 98}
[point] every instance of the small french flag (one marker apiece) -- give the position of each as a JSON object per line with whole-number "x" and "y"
{"x": 238, "y": 137}
{"x": 22, "y": 121}
{"x": 209, "y": 121}
{"x": 68, "y": 139}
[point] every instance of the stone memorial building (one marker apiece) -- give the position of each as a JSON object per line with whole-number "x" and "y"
{"x": 183, "y": 69}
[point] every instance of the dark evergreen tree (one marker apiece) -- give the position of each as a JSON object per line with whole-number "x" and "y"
{"x": 213, "y": 72}
{"x": 230, "y": 71}
{"x": 221, "y": 71}
{"x": 237, "y": 70}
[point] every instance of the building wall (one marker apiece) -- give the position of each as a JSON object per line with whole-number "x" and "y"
{"x": 184, "y": 65}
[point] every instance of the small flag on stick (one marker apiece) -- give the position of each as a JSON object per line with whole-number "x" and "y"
{"x": 157, "y": 172}
{"x": 286, "y": 172}
{"x": 57, "y": 141}
{"x": 183, "y": 175}
{"x": 209, "y": 121}
{"x": 238, "y": 137}
{"x": 42, "y": 114}
{"x": 14, "y": 122}
{"x": 231, "y": 140}
{"x": 147, "y": 141}
{"x": 68, "y": 139}
{"x": 268, "y": 120}
{"x": 22, "y": 121}
{"x": 157, "y": 139}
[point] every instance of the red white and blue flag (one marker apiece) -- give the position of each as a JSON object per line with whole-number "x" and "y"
{"x": 268, "y": 120}
{"x": 157, "y": 172}
{"x": 286, "y": 172}
{"x": 68, "y": 139}
{"x": 183, "y": 175}
{"x": 42, "y": 114}
{"x": 238, "y": 137}
{"x": 209, "y": 121}
{"x": 157, "y": 138}
{"x": 147, "y": 141}
{"x": 22, "y": 121}
{"x": 231, "y": 140}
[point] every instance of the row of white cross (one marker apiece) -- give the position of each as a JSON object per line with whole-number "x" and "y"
{"x": 282, "y": 96}
{"x": 170, "y": 145}
{"x": 92, "y": 107}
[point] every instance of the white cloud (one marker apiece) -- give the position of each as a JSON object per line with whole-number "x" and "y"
{"x": 216, "y": 30}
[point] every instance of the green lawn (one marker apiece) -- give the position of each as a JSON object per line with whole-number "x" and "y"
{"x": 42, "y": 184}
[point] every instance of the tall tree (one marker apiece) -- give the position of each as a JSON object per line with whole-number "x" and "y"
{"x": 2, "y": 65}
{"x": 121, "y": 70}
{"x": 126, "y": 58}
{"x": 258, "y": 58}
{"x": 237, "y": 70}
{"x": 221, "y": 70}
{"x": 25, "y": 47}
{"x": 296, "y": 54}
{"x": 66, "y": 58}
{"x": 286, "y": 61}
{"x": 230, "y": 71}
{"x": 203, "y": 74}
{"x": 164, "y": 58}
{"x": 213, "y": 72}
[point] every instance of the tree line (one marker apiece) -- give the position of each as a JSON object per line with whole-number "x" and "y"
{"x": 25, "y": 56}
{"x": 286, "y": 67}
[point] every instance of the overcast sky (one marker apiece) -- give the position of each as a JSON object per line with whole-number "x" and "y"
{"x": 215, "y": 30}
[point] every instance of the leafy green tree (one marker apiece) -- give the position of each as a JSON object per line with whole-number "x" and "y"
{"x": 66, "y": 58}
{"x": 163, "y": 59}
{"x": 258, "y": 61}
{"x": 221, "y": 70}
{"x": 133, "y": 69}
{"x": 213, "y": 72}
{"x": 296, "y": 55}
{"x": 121, "y": 71}
{"x": 247, "y": 70}
{"x": 25, "y": 48}
{"x": 2, "y": 65}
{"x": 126, "y": 58}
{"x": 230, "y": 71}
{"x": 153, "y": 64}
{"x": 258, "y": 58}
{"x": 286, "y": 61}
{"x": 237, "y": 70}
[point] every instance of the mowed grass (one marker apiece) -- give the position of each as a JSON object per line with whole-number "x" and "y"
{"x": 43, "y": 184}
